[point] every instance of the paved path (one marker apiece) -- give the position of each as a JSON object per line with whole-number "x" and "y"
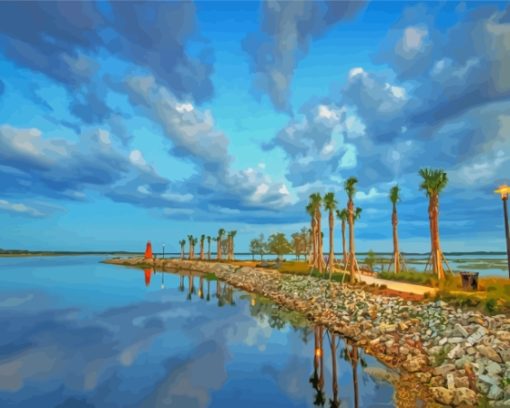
{"x": 399, "y": 286}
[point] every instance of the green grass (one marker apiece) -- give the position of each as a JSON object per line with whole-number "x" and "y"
{"x": 303, "y": 269}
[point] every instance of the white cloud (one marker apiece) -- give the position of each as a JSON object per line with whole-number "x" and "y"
{"x": 19, "y": 208}
{"x": 136, "y": 158}
{"x": 371, "y": 195}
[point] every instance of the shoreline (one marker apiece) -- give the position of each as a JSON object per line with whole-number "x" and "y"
{"x": 456, "y": 356}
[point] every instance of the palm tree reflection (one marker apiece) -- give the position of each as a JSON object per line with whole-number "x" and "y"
{"x": 317, "y": 378}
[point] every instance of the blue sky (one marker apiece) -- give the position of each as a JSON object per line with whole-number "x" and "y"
{"x": 123, "y": 122}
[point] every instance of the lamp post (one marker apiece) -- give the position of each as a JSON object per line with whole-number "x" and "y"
{"x": 504, "y": 190}
{"x": 163, "y": 251}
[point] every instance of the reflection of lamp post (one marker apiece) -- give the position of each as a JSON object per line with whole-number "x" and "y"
{"x": 162, "y": 280}
{"x": 504, "y": 190}
{"x": 163, "y": 251}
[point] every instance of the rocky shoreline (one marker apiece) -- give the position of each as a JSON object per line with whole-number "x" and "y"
{"x": 457, "y": 356}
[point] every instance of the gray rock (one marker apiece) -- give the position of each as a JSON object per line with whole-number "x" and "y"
{"x": 488, "y": 380}
{"x": 461, "y": 330}
{"x": 495, "y": 392}
{"x": 493, "y": 368}
{"x": 455, "y": 340}
{"x": 450, "y": 381}
{"x": 477, "y": 336}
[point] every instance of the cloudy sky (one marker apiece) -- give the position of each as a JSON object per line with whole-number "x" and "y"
{"x": 122, "y": 122}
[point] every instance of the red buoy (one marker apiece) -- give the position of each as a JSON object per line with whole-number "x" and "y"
{"x": 148, "y": 250}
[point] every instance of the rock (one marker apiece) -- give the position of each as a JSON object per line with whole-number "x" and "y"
{"x": 461, "y": 330}
{"x": 450, "y": 381}
{"x": 382, "y": 374}
{"x": 488, "y": 380}
{"x": 387, "y": 328}
{"x": 444, "y": 369}
{"x": 443, "y": 341}
{"x": 505, "y": 354}
{"x": 461, "y": 382}
{"x": 495, "y": 392}
{"x": 442, "y": 395}
{"x": 477, "y": 336}
{"x": 464, "y": 395}
{"x": 454, "y": 352}
{"x": 414, "y": 364}
{"x": 470, "y": 351}
{"x": 493, "y": 369}
{"x": 489, "y": 352}
{"x": 455, "y": 340}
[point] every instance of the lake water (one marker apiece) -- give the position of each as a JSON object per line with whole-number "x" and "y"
{"x": 78, "y": 333}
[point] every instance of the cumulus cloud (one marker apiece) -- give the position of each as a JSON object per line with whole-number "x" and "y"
{"x": 316, "y": 144}
{"x": 287, "y": 30}
{"x": 153, "y": 37}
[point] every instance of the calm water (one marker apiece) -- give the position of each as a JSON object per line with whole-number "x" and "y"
{"x": 77, "y": 333}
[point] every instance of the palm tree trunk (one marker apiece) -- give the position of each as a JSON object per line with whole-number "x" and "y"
{"x": 352, "y": 257}
{"x": 311, "y": 259}
{"x": 438, "y": 255}
{"x": 394, "y": 221}
{"x": 208, "y": 250}
{"x": 201, "y": 250}
{"x": 218, "y": 249}
{"x": 331, "y": 258}
{"x": 344, "y": 252}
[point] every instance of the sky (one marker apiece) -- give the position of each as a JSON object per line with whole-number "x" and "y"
{"x": 127, "y": 122}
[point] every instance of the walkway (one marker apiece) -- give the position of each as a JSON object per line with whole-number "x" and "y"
{"x": 399, "y": 286}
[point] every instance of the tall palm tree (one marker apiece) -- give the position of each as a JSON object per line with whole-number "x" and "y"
{"x": 350, "y": 189}
{"x": 208, "y": 248}
{"x": 343, "y": 216}
{"x": 330, "y": 205}
{"x": 221, "y": 232}
{"x": 182, "y": 243}
{"x": 316, "y": 202}
{"x": 311, "y": 211}
{"x": 394, "y": 198}
{"x": 190, "y": 240}
{"x": 232, "y": 235}
{"x": 434, "y": 181}
{"x": 202, "y": 239}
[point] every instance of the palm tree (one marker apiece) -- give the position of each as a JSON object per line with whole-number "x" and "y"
{"x": 182, "y": 243}
{"x": 311, "y": 211}
{"x": 221, "y": 232}
{"x": 232, "y": 235}
{"x": 394, "y": 198}
{"x": 316, "y": 201}
{"x": 343, "y": 215}
{"x": 208, "y": 248}
{"x": 350, "y": 189}
{"x": 330, "y": 205}
{"x": 190, "y": 240}
{"x": 202, "y": 239}
{"x": 434, "y": 181}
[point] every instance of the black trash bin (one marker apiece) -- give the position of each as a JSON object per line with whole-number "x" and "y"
{"x": 469, "y": 280}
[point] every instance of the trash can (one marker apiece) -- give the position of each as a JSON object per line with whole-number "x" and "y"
{"x": 469, "y": 280}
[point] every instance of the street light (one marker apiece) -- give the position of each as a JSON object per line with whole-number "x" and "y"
{"x": 163, "y": 251}
{"x": 504, "y": 190}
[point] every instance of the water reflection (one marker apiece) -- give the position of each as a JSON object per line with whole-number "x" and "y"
{"x": 147, "y": 273}
{"x": 278, "y": 318}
